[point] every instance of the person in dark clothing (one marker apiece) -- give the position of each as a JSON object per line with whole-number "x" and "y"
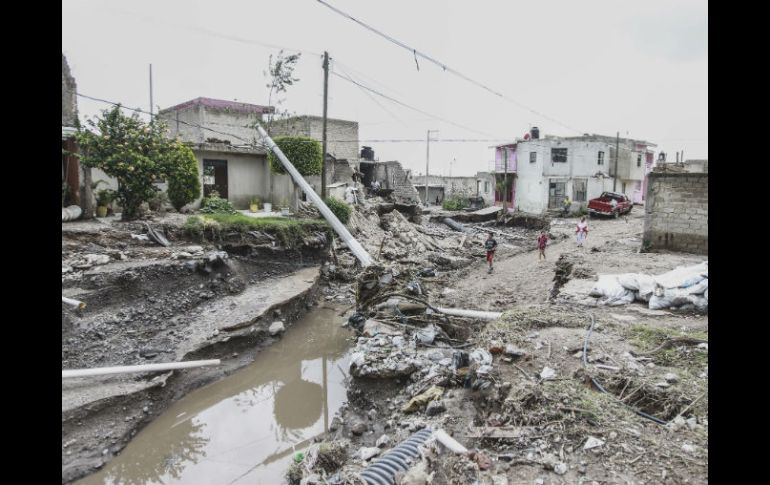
{"x": 490, "y": 245}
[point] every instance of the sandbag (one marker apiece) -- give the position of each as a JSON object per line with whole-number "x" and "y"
{"x": 700, "y": 288}
{"x": 683, "y": 276}
{"x": 671, "y": 297}
{"x": 610, "y": 291}
{"x": 706, "y": 294}
{"x": 629, "y": 281}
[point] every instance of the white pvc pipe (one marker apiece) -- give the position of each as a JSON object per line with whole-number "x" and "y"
{"x": 76, "y": 303}
{"x": 339, "y": 228}
{"x": 459, "y": 312}
{"x": 129, "y": 369}
{"x": 449, "y": 442}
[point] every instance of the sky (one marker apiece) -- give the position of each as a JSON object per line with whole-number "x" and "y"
{"x": 639, "y": 68}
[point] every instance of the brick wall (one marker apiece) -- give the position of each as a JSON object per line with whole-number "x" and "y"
{"x": 677, "y": 212}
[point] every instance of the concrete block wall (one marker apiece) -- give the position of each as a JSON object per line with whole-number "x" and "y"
{"x": 676, "y": 212}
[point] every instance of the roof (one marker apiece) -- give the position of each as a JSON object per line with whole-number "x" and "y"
{"x": 221, "y": 104}
{"x": 226, "y": 148}
{"x": 68, "y": 132}
{"x": 313, "y": 117}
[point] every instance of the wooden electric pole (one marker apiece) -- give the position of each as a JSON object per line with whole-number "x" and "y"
{"x": 617, "y": 154}
{"x": 323, "y": 136}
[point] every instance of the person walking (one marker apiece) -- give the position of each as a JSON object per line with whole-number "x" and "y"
{"x": 542, "y": 241}
{"x": 490, "y": 245}
{"x": 565, "y": 205}
{"x": 581, "y": 232}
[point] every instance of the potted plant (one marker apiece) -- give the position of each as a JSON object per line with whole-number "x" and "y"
{"x": 254, "y": 204}
{"x": 284, "y": 207}
{"x": 104, "y": 199}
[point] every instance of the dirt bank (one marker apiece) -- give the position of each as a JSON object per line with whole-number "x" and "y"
{"x": 147, "y": 303}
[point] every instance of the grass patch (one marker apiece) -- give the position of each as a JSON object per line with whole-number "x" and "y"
{"x": 290, "y": 232}
{"x": 689, "y": 357}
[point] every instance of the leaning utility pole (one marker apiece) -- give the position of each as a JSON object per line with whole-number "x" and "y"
{"x": 617, "y": 154}
{"x": 323, "y": 136}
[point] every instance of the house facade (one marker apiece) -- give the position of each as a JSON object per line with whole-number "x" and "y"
{"x": 547, "y": 169}
{"x": 441, "y": 187}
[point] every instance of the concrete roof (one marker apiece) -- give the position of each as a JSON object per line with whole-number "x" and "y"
{"x": 226, "y": 148}
{"x": 221, "y": 104}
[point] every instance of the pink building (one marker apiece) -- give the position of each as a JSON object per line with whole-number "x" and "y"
{"x": 506, "y": 163}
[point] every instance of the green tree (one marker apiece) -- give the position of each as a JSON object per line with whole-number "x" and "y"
{"x": 304, "y": 153}
{"x": 138, "y": 155}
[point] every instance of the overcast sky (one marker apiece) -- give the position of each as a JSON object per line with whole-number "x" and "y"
{"x": 595, "y": 66}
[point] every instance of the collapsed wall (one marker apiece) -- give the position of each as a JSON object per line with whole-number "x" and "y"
{"x": 676, "y": 212}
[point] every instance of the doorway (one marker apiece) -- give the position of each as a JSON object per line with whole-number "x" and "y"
{"x": 556, "y": 193}
{"x": 215, "y": 177}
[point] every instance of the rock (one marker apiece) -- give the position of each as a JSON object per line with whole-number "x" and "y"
{"x": 105, "y": 451}
{"x": 374, "y": 327}
{"x": 427, "y": 334}
{"x": 417, "y": 402}
{"x": 688, "y": 448}
{"x": 539, "y": 481}
{"x": 677, "y": 423}
{"x": 146, "y": 409}
{"x": 335, "y": 424}
{"x": 671, "y": 377}
{"x": 499, "y": 480}
{"x": 358, "y": 428}
{"x": 613, "y": 435}
{"x": 367, "y": 453}
{"x": 547, "y": 373}
{"x": 703, "y": 346}
{"x": 560, "y": 468}
{"x": 662, "y": 384}
{"x": 481, "y": 357}
{"x": 692, "y": 423}
{"x": 383, "y": 441}
{"x": 592, "y": 443}
{"x": 276, "y": 327}
{"x": 434, "y": 408}
{"x": 496, "y": 347}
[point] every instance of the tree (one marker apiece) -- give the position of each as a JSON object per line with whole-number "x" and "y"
{"x": 280, "y": 73}
{"x": 138, "y": 155}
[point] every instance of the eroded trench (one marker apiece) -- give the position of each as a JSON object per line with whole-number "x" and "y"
{"x": 246, "y": 427}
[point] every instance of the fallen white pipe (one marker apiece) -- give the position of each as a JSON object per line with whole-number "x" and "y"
{"x": 339, "y": 228}
{"x": 76, "y": 303}
{"x": 459, "y": 312}
{"x": 446, "y": 440}
{"x": 129, "y": 369}
{"x": 70, "y": 213}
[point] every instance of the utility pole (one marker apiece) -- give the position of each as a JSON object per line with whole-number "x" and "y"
{"x": 505, "y": 181}
{"x": 323, "y": 143}
{"x": 617, "y": 154}
{"x": 151, "y": 105}
{"x": 427, "y": 163}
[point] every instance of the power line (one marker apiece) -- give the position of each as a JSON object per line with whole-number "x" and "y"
{"x": 409, "y": 106}
{"x": 443, "y": 65}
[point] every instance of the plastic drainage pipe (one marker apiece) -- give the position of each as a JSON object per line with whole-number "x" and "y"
{"x": 402, "y": 457}
{"x": 339, "y": 228}
{"x": 459, "y": 312}
{"x": 76, "y": 303}
{"x": 129, "y": 369}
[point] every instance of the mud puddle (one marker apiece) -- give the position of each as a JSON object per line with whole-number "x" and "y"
{"x": 245, "y": 428}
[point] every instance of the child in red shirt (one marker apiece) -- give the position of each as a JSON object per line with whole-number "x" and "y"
{"x": 542, "y": 240}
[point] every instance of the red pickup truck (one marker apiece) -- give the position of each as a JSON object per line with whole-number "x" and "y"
{"x": 610, "y": 204}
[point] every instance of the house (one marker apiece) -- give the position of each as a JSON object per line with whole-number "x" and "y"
{"x": 440, "y": 187}
{"x": 391, "y": 175}
{"x": 545, "y": 170}
{"x": 221, "y": 135}
{"x": 73, "y": 180}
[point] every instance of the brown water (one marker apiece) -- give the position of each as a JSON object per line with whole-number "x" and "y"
{"x": 246, "y": 427}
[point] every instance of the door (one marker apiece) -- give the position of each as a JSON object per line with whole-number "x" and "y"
{"x": 215, "y": 177}
{"x": 556, "y": 192}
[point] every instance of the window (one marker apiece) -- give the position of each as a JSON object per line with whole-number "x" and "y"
{"x": 532, "y": 157}
{"x": 600, "y": 160}
{"x": 558, "y": 155}
{"x": 579, "y": 190}
{"x": 639, "y": 160}
{"x": 486, "y": 187}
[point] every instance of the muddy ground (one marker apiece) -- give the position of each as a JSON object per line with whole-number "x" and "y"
{"x": 540, "y": 416}
{"x": 147, "y": 303}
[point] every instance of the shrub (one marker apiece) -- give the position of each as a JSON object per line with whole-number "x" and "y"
{"x": 184, "y": 185}
{"x": 304, "y": 153}
{"x": 339, "y": 208}
{"x": 455, "y": 203}
{"x": 290, "y": 232}
{"x": 214, "y": 204}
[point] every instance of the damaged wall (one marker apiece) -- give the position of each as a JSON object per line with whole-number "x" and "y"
{"x": 393, "y": 176}
{"x": 341, "y": 135}
{"x": 676, "y": 212}
{"x": 483, "y": 182}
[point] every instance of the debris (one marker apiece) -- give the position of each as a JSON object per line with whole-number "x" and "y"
{"x": 276, "y": 328}
{"x": 688, "y": 448}
{"x": 496, "y": 347}
{"x": 482, "y": 460}
{"x": 367, "y": 453}
{"x": 671, "y": 377}
{"x": 358, "y": 428}
{"x": 156, "y": 236}
{"x": 481, "y": 357}
{"x": 592, "y": 443}
{"x": 434, "y": 408}
{"x": 513, "y": 351}
{"x": 374, "y": 327}
{"x": 427, "y": 334}
{"x": 547, "y": 373}
{"x": 383, "y": 441}
{"x": 456, "y": 226}
{"x": 560, "y": 468}
{"x": 417, "y": 402}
